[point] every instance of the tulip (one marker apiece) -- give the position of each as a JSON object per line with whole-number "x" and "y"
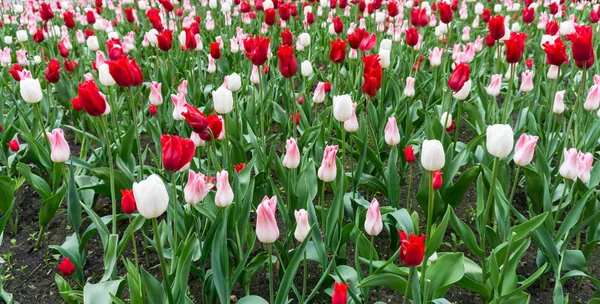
{"x": 291, "y": 160}
{"x": 92, "y": 43}
{"x": 373, "y": 223}
{"x": 104, "y": 75}
{"x": 391, "y": 133}
{"x": 196, "y": 188}
{"x": 328, "y": 169}
{"x": 342, "y": 107}
{"x": 526, "y": 81}
{"x": 446, "y": 120}
{"x": 224, "y": 196}
{"x": 234, "y": 82}
{"x": 125, "y": 73}
{"x": 559, "y": 106}
{"x": 31, "y": 90}
{"x": 409, "y": 89}
{"x": 437, "y": 180}
{"x": 177, "y": 152}
{"x": 180, "y": 109}
{"x": 351, "y": 125}
{"x": 524, "y": 149}
{"x": 256, "y": 49}
{"x": 340, "y": 293}
{"x": 52, "y": 73}
{"x": 496, "y": 27}
{"x": 215, "y": 50}
{"x": 372, "y": 73}
{"x": 319, "y": 93}
{"x": 435, "y": 56}
{"x": 128, "y": 205}
{"x": 304, "y": 39}
{"x": 60, "y": 148}
{"x": 266, "y": 225}
{"x": 151, "y": 196}
{"x": 412, "y": 249}
{"x": 222, "y": 100}
{"x": 66, "y": 267}
{"x": 13, "y": 145}
{"x": 302, "y": 225}
{"x": 495, "y": 85}
{"x": 384, "y": 58}
{"x": 499, "y": 140}
{"x": 570, "y": 166}
{"x": 155, "y": 94}
{"x": 432, "y": 155}
{"x": 555, "y": 52}
{"x": 93, "y": 102}
{"x": 337, "y": 53}
{"x": 592, "y": 102}
{"x": 21, "y": 36}
{"x": 581, "y": 42}
{"x": 306, "y": 68}
{"x": 460, "y": 75}
{"x": 585, "y": 161}
{"x": 409, "y": 154}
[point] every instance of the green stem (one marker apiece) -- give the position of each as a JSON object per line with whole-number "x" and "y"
{"x": 408, "y": 198}
{"x": 430, "y": 204}
{"x": 270, "y": 255}
{"x": 411, "y": 272}
{"x": 514, "y": 185}
{"x": 163, "y": 264}
{"x": 38, "y": 113}
{"x": 457, "y": 130}
{"x": 137, "y": 134}
{"x": 227, "y": 157}
{"x": 39, "y": 238}
{"x": 135, "y": 252}
{"x": 112, "y": 175}
{"x": 304, "y": 279}
{"x": 263, "y": 115}
{"x": 488, "y": 207}
{"x": 175, "y": 209}
{"x": 505, "y": 264}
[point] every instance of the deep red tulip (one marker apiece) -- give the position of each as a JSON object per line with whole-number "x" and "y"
{"x": 460, "y": 75}
{"x": 270, "y": 16}
{"x": 128, "y": 205}
{"x": 327, "y": 86}
{"x": 446, "y": 12}
{"x": 581, "y": 43}
{"x": 287, "y": 38}
{"x": 195, "y": 119}
{"x": 62, "y": 50}
{"x": 152, "y": 109}
{"x": 76, "y": 104}
{"x": 287, "y": 61}
{"x": 93, "y": 102}
{"x": 13, "y": 145}
{"x": 310, "y": 18}
{"x": 372, "y": 73}
{"x": 153, "y": 16}
{"x": 337, "y": 53}
{"x": 52, "y": 73}
{"x": 284, "y": 12}
{"x": 190, "y": 40}
{"x": 515, "y": 46}
{"x": 338, "y": 26}
{"x": 295, "y": 118}
{"x": 496, "y": 27}
{"x": 167, "y": 5}
{"x": 553, "y": 8}
{"x": 39, "y": 37}
{"x": 129, "y": 15}
{"x": 409, "y": 154}
{"x": 165, "y": 40}
{"x": 412, "y": 249}
{"x": 14, "y": 72}
{"x": 418, "y": 17}
{"x": 215, "y": 50}
{"x": 65, "y": 267}
{"x": 256, "y": 49}
{"x": 177, "y": 152}
{"x": 356, "y": 38}
{"x": 46, "y": 11}
{"x": 70, "y": 65}
{"x": 215, "y": 126}
{"x": 556, "y": 53}
{"x": 412, "y": 36}
{"x": 594, "y": 16}
{"x": 486, "y": 15}
{"x": 528, "y": 15}
{"x": 588, "y": 64}
{"x": 125, "y": 73}
{"x": 91, "y": 18}
{"x": 340, "y": 293}
{"x": 245, "y": 7}
{"x": 489, "y": 40}
{"x": 239, "y": 167}
{"x": 437, "y": 180}
{"x": 69, "y": 20}
{"x": 393, "y": 10}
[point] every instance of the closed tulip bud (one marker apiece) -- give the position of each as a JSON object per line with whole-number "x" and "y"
{"x": 585, "y": 161}
{"x": 526, "y": 81}
{"x": 384, "y": 58}
{"x": 60, "y": 148}
{"x": 31, "y": 90}
{"x": 234, "y": 82}
{"x": 446, "y": 120}
{"x": 196, "y": 188}
{"x": 592, "y": 102}
{"x": 128, "y": 205}
{"x": 306, "y": 68}
{"x": 351, "y": 125}
{"x": 104, "y": 75}
{"x": 373, "y": 223}
{"x": 392, "y": 134}
{"x": 437, "y": 180}
{"x": 570, "y": 166}
{"x": 342, "y": 107}
{"x": 66, "y": 267}
{"x": 524, "y": 149}
{"x": 432, "y": 155}
{"x": 177, "y": 152}
{"x": 21, "y": 36}
{"x": 559, "y": 105}
{"x": 92, "y": 43}
{"x": 328, "y": 169}
{"x": 553, "y": 72}
{"x": 8, "y": 40}
{"x": 13, "y": 145}
{"x": 222, "y": 100}
{"x": 409, "y": 89}
{"x": 224, "y": 196}
{"x": 266, "y": 225}
{"x": 151, "y": 197}
{"x": 340, "y": 293}
{"x": 291, "y": 160}
{"x": 155, "y": 94}
{"x": 499, "y": 140}
{"x": 495, "y": 85}
{"x": 302, "y": 226}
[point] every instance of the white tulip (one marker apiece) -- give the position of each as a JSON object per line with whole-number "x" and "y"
{"x": 433, "y": 157}
{"x": 306, "y": 68}
{"x": 342, "y": 107}
{"x": 21, "y": 35}
{"x": 222, "y": 100}
{"x": 234, "y": 82}
{"x": 92, "y": 43}
{"x": 31, "y": 91}
{"x": 500, "y": 140}
{"x": 105, "y": 77}
{"x": 151, "y": 197}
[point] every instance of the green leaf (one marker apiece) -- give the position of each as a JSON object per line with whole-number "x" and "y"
{"x": 290, "y": 273}
{"x": 184, "y": 262}
{"x": 525, "y": 229}
{"x": 443, "y": 272}
{"x": 466, "y": 234}
{"x": 535, "y": 188}
{"x": 156, "y": 293}
{"x": 110, "y": 257}
{"x": 437, "y": 235}
{"x": 73, "y": 205}
{"x": 454, "y": 194}
{"x": 100, "y": 293}
{"x": 389, "y": 280}
{"x": 252, "y": 300}
{"x": 393, "y": 185}
{"x": 50, "y": 205}
{"x": 220, "y": 262}
{"x": 7, "y": 192}
{"x": 39, "y": 184}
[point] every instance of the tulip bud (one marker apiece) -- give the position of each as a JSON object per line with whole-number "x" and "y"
{"x": 302, "y": 226}
{"x": 304, "y": 39}
{"x": 392, "y": 134}
{"x": 524, "y": 149}
{"x": 155, "y": 94}
{"x": 196, "y": 188}
{"x": 342, "y": 107}
{"x": 66, "y": 267}
{"x": 570, "y": 166}
{"x": 59, "y": 146}
{"x": 13, "y": 145}
{"x": 306, "y": 68}
{"x": 31, "y": 91}
{"x": 266, "y": 225}
{"x": 128, "y": 205}
{"x": 234, "y": 82}
{"x": 21, "y": 36}
{"x": 151, "y": 197}
{"x": 446, "y": 120}
{"x": 409, "y": 154}
{"x": 373, "y": 223}
{"x": 437, "y": 180}
{"x": 224, "y": 196}
{"x": 500, "y": 140}
{"x": 222, "y": 100}
{"x": 328, "y": 169}
{"x": 559, "y": 106}
{"x": 92, "y": 43}
{"x": 409, "y": 89}
{"x": 351, "y": 125}
{"x": 291, "y": 160}
{"x": 432, "y": 155}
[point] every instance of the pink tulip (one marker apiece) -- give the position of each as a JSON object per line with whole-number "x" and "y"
{"x": 559, "y": 104}
{"x": 266, "y": 225}
{"x": 291, "y": 160}
{"x": 224, "y": 196}
{"x": 526, "y": 81}
{"x": 409, "y": 89}
{"x": 392, "y": 135}
{"x": 196, "y": 188}
{"x": 180, "y": 102}
{"x": 156, "y": 93}
{"x": 368, "y": 43}
{"x": 88, "y": 76}
{"x": 255, "y": 77}
{"x": 302, "y": 225}
{"x": 373, "y": 223}
{"x": 570, "y": 166}
{"x": 5, "y": 58}
{"x": 100, "y": 58}
{"x": 596, "y": 79}
{"x": 524, "y": 149}
{"x": 22, "y": 57}
{"x": 351, "y": 125}
{"x": 495, "y": 85}
{"x": 592, "y": 102}
{"x": 328, "y": 169}
{"x": 182, "y": 88}
{"x": 585, "y": 161}
{"x": 60, "y": 148}
{"x": 319, "y": 94}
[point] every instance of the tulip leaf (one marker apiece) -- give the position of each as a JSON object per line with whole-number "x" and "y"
{"x": 100, "y": 293}
{"x": 290, "y": 272}
{"x": 535, "y": 188}
{"x": 389, "y": 280}
{"x": 39, "y": 184}
{"x": 446, "y": 270}
{"x": 7, "y": 193}
{"x": 437, "y": 235}
{"x": 50, "y": 205}
{"x": 453, "y": 195}
{"x": 393, "y": 184}
{"x": 523, "y": 230}
{"x": 73, "y": 205}
{"x": 156, "y": 293}
{"x": 220, "y": 262}
{"x": 184, "y": 260}
{"x": 252, "y": 300}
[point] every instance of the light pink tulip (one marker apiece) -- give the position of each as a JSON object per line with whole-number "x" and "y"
{"x": 478, "y": 44}
{"x": 559, "y": 104}
{"x": 409, "y": 89}
{"x": 266, "y": 225}
{"x": 570, "y": 166}
{"x": 302, "y": 225}
{"x": 5, "y": 58}
{"x": 495, "y": 85}
{"x": 156, "y": 93}
{"x": 22, "y": 57}
{"x": 373, "y": 223}
{"x": 526, "y": 81}
{"x": 328, "y": 169}
{"x": 391, "y": 134}
{"x": 596, "y": 79}
{"x": 196, "y": 188}
{"x": 319, "y": 94}
{"x": 351, "y": 125}
{"x": 224, "y": 196}
{"x": 180, "y": 102}
{"x": 524, "y": 149}
{"x": 60, "y": 148}
{"x": 291, "y": 160}
{"x": 255, "y": 77}
{"x": 584, "y": 162}
{"x": 368, "y": 43}
{"x": 435, "y": 56}
{"x": 100, "y": 58}
{"x": 182, "y": 88}
{"x": 592, "y": 102}
{"x": 88, "y": 76}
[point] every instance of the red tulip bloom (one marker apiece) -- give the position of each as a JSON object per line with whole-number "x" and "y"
{"x": 129, "y": 15}
{"x": 446, "y": 12}
{"x": 556, "y": 53}
{"x": 459, "y": 76}
{"x": 125, "y": 73}
{"x": 393, "y": 10}
{"x": 93, "y": 102}
{"x": 177, "y": 152}
{"x": 62, "y": 49}
{"x": 489, "y": 40}
{"x": 340, "y": 293}
{"x": 486, "y": 15}
{"x": 372, "y": 72}
{"x": 215, "y": 50}
{"x": 195, "y": 119}
{"x": 437, "y": 180}
{"x": 39, "y": 37}
{"x": 515, "y": 46}
{"x": 286, "y": 37}
{"x": 165, "y": 40}
{"x": 287, "y": 61}
{"x": 338, "y": 26}
{"x": 496, "y": 27}
{"x": 190, "y": 40}
{"x": 310, "y": 18}
{"x": 418, "y": 17}
{"x": 169, "y": 7}
{"x": 14, "y": 72}
{"x": 13, "y": 145}
{"x": 284, "y": 11}
{"x": 409, "y": 154}
{"x": 65, "y": 267}
{"x": 76, "y": 104}
{"x": 337, "y": 52}
{"x": 594, "y": 16}
{"x": 128, "y": 205}
{"x": 52, "y": 73}
{"x": 553, "y": 8}
{"x": 46, "y": 11}
{"x": 295, "y": 118}
{"x": 581, "y": 43}
{"x": 270, "y": 16}
{"x": 528, "y": 15}
{"x": 152, "y": 109}
{"x": 69, "y": 20}
{"x": 552, "y": 27}
{"x": 412, "y": 36}
{"x": 256, "y": 49}
{"x": 245, "y": 7}
{"x": 91, "y": 18}
{"x": 215, "y": 127}
{"x": 153, "y": 16}
{"x": 327, "y": 86}
{"x": 239, "y": 167}
{"x": 412, "y": 249}
{"x": 355, "y": 39}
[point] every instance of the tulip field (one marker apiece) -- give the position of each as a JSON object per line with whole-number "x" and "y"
{"x": 284, "y": 151}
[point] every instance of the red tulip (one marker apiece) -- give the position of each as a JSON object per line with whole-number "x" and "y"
{"x": 515, "y": 46}
{"x": 93, "y": 102}
{"x": 581, "y": 43}
{"x": 62, "y": 49}
{"x": 310, "y": 18}
{"x": 356, "y": 38}
{"x": 65, "y": 267}
{"x": 152, "y": 109}
{"x": 215, "y": 50}
{"x": 52, "y": 73}
{"x": 128, "y": 205}
{"x": 412, "y": 249}
{"x": 286, "y": 37}
{"x": 437, "y": 180}
{"x": 418, "y": 17}
{"x": 284, "y": 11}
{"x": 446, "y": 12}
{"x": 589, "y": 63}
{"x": 165, "y": 40}
{"x": 528, "y": 15}
{"x": 177, "y": 152}
{"x": 489, "y": 40}
{"x": 215, "y": 126}
{"x": 46, "y": 11}
{"x": 239, "y": 167}
{"x": 13, "y": 145}
{"x": 167, "y": 5}
{"x": 129, "y": 15}
{"x": 552, "y": 27}
{"x": 412, "y": 36}
{"x": 553, "y": 8}
{"x": 270, "y": 16}
{"x": 594, "y": 16}
{"x": 195, "y": 119}
{"x": 14, "y": 72}
{"x": 91, "y": 18}
{"x": 153, "y": 16}
{"x": 256, "y": 49}
{"x": 556, "y": 53}
{"x": 39, "y": 37}
{"x": 340, "y": 293}
{"x": 337, "y": 53}
{"x": 372, "y": 72}
{"x": 295, "y": 118}
{"x": 338, "y": 26}
{"x": 287, "y": 62}
{"x": 393, "y": 10}
{"x": 496, "y": 27}
{"x": 69, "y": 20}
{"x": 486, "y": 15}
{"x": 125, "y": 73}
{"x": 409, "y": 154}
{"x": 190, "y": 40}
{"x": 76, "y": 104}
{"x": 459, "y": 76}
{"x": 245, "y": 7}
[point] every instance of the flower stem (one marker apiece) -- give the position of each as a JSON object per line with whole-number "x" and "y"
{"x": 135, "y": 252}
{"x": 270, "y": 255}
{"x": 137, "y": 134}
{"x": 488, "y": 207}
{"x": 304, "y": 279}
{"x": 163, "y": 264}
{"x": 175, "y": 208}
{"x": 112, "y": 176}
{"x": 411, "y": 272}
